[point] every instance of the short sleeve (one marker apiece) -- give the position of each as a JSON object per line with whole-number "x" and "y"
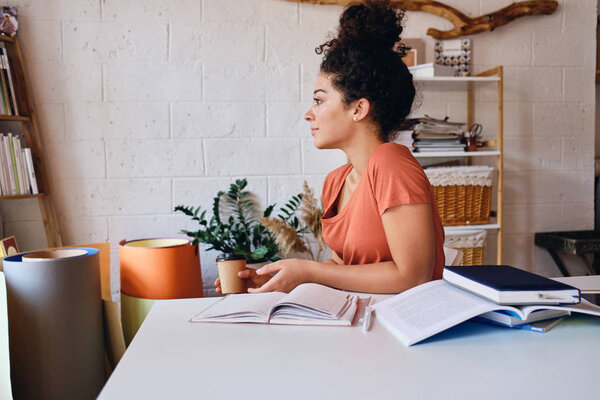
{"x": 397, "y": 178}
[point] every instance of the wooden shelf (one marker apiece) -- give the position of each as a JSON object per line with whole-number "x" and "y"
{"x": 19, "y": 118}
{"x": 22, "y": 196}
{"x": 457, "y": 154}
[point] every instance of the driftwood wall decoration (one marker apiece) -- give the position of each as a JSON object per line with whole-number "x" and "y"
{"x": 463, "y": 25}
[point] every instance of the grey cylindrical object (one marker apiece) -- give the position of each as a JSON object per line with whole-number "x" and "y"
{"x": 55, "y": 326}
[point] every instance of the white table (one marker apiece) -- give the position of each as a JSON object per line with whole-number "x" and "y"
{"x": 171, "y": 358}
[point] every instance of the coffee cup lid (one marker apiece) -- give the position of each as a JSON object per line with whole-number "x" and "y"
{"x": 230, "y": 256}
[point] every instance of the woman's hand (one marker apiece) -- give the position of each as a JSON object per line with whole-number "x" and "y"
{"x": 289, "y": 274}
{"x": 251, "y": 278}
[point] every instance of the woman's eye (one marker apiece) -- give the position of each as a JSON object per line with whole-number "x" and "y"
{"x": 317, "y": 101}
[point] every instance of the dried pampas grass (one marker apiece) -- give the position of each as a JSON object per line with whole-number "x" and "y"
{"x": 291, "y": 240}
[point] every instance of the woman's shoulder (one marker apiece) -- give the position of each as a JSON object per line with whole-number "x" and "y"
{"x": 389, "y": 155}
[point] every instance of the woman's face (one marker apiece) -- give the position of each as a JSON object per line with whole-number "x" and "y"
{"x": 330, "y": 119}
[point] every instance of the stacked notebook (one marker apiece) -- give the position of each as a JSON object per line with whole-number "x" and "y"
{"x": 498, "y": 294}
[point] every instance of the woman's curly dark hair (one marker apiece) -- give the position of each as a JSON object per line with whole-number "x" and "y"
{"x": 365, "y": 61}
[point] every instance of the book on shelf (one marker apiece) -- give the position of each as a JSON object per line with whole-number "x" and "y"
{"x": 8, "y": 74}
{"x": 307, "y": 304}
{"x": 433, "y": 307}
{"x": 432, "y": 149}
{"x": 17, "y": 175}
{"x": 505, "y": 284}
{"x": 431, "y": 70}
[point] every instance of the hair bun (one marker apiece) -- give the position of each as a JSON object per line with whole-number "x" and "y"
{"x": 373, "y": 24}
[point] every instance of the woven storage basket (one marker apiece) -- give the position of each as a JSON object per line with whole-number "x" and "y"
{"x": 471, "y": 243}
{"x": 463, "y": 195}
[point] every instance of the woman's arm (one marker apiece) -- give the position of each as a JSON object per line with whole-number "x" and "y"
{"x": 410, "y": 236}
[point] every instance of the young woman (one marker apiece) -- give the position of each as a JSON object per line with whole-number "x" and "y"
{"x": 380, "y": 219}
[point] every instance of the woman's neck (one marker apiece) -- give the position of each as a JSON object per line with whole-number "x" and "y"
{"x": 358, "y": 153}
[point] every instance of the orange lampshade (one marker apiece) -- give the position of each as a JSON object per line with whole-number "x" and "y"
{"x": 166, "y": 268}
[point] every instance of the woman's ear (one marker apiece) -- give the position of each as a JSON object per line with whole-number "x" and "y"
{"x": 360, "y": 109}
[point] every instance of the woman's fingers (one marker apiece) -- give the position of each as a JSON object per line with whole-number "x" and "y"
{"x": 218, "y": 282}
{"x": 269, "y": 268}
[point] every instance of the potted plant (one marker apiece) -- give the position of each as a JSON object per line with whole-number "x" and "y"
{"x": 234, "y": 227}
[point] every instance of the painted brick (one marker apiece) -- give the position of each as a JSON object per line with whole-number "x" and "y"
{"x": 200, "y": 192}
{"x": 518, "y": 117}
{"x": 438, "y": 109}
{"x": 310, "y": 71}
{"x": 217, "y": 42}
{"x": 81, "y": 159}
{"x": 578, "y": 16}
{"x": 320, "y": 15}
{"x": 281, "y": 189}
{"x": 99, "y": 197}
{"x": 563, "y": 187}
{"x": 100, "y": 120}
{"x": 563, "y": 119}
{"x": 316, "y": 161}
{"x": 287, "y": 120}
{"x": 529, "y": 218}
{"x": 141, "y": 227}
{"x": 251, "y": 82}
{"x": 272, "y": 12}
{"x": 151, "y": 10}
{"x": 217, "y": 119}
{"x": 494, "y": 48}
{"x": 577, "y": 85}
{"x": 528, "y": 154}
{"x": 226, "y": 157}
{"x": 61, "y": 82}
{"x": 577, "y": 217}
{"x": 578, "y": 153}
{"x": 294, "y": 46}
{"x": 518, "y": 251}
{"x": 153, "y": 82}
{"x": 518, "y": 187}
{"x": 575, "y": 49}
{"x": 526, "y": 85}
{"x": 83, "y": 230}
{"x": 51, "y": 120}
{"x": 430, "y": 91}
{"x": 44, "y": 42}
{"x": 154, "y": 158}
{"x": 58, "y": 9}
{"x": 96, "y": 41}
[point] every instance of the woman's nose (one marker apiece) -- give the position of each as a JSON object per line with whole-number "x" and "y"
{"x": 309, "y": 116}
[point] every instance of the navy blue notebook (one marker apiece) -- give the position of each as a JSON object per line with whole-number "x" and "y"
{"x": 504, "y": 284}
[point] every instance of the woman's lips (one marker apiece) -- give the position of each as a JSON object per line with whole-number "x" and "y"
{"x": 313, "y": 130}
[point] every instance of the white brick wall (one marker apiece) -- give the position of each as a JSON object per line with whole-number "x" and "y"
{"x": 144, "y": 105}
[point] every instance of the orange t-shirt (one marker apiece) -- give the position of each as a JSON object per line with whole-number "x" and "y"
{"x": 393, "y": 177}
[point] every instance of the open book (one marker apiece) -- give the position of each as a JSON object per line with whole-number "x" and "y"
{"x": 435, "y": 306}
{"x": 307, "y": 304}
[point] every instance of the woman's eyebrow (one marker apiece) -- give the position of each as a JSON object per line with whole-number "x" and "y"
{"x": 319, "y": 90}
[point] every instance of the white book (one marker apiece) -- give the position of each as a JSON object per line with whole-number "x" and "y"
{"x": 25, "y": 174}
{"x": 19, "y": 164}
{"x": 431, "y": 70}
{"x": 11, "y": 176}
{"x": 307, "y": 304}
{"x": 3, "y": 176}
{"x": 435, "y": 306}
{"x": 5, "y": 168}
{"x": 31, "y": 171}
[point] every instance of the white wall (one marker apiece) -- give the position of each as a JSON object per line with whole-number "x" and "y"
{"x": 144, "y": 105}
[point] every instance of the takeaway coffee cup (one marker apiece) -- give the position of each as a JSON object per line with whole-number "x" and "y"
{"x": 229, "y": 265}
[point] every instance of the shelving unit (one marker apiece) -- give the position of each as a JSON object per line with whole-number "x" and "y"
{"x": 29, "y": 126}
{"x": 493, "y": 148}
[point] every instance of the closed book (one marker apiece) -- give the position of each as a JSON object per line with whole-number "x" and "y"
{"x": 509, "y": 318}
{"x": 10, "y": 79}
{"x": 11, "y": 144}
{"x": 504, "y": 284}
{"x": 430, "y": 70}
{"x": 31, "y": 171}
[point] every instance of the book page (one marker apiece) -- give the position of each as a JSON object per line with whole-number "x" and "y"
{"x": 317, "y": 299}
{"x": 241, "y": 308}
{"x": 584, "y": 307}
{"x": 430, "y": 308}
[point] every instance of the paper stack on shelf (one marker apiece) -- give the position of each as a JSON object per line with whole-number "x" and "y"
{"x": 432, "y": 134}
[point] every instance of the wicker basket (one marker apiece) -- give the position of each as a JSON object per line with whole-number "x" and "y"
{"x": 463, "y": 195}
{"x": 471, "y": 243}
